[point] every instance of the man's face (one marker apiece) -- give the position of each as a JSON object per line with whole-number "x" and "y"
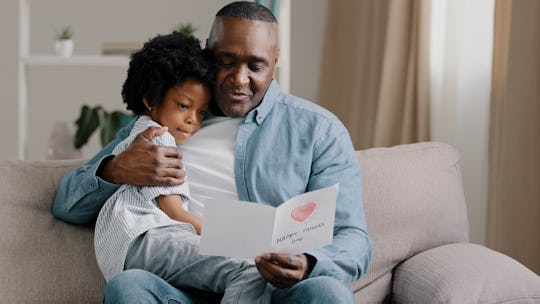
{"x": 247, "y": 54}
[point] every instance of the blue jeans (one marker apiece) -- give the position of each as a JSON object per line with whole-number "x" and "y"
{"x": 172, "y": 253}
{"x": 139, "y": 286}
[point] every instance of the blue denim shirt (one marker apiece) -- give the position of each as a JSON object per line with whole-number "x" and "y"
{"x": 285, "y": 146}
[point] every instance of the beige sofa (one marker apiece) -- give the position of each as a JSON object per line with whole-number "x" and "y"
{"x": 416, "y": 215}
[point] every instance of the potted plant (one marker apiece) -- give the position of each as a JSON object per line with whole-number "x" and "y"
{"x": 187, "y": 29}
{"x": 92, "y": 118}
{"x": 64, "y": 42}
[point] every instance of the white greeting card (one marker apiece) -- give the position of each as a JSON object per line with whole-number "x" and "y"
{"x": 245, "y": 230}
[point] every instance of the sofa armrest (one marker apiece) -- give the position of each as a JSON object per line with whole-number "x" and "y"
{"x": 464, "y": 273}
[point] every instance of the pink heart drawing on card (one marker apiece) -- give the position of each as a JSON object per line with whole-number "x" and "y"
{"x": 300, "y": 213}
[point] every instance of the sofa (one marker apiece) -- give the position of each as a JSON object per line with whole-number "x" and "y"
{"x": 414, "y": 204}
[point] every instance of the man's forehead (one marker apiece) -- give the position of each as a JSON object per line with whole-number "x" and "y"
{"x": 230, "y": 28}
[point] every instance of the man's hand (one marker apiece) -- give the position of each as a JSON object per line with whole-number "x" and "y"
{"x": 284, "y": 270}
{"x": 145, "y": 164}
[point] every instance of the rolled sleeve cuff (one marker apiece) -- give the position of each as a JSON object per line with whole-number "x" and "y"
{"x": 96, "y": 183}
{"x": 322, "y": 264}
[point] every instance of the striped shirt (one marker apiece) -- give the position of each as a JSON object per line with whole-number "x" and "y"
{"x": 132, "y": 210}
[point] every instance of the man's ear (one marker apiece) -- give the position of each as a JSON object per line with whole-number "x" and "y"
{"x": 276, "y": 60}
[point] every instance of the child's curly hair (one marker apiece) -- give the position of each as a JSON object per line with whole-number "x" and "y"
{"x": 164, "y": 62}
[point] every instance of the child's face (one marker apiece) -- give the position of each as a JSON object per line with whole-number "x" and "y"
{"x": 183, "y": 109}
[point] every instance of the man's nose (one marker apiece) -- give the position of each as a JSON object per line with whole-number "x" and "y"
{"x": 240, "y": 76}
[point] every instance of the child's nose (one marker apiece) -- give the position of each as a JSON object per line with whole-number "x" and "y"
{"x": 192, "y": 118}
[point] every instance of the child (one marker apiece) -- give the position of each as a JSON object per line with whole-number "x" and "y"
{"x": 168, "y": 84}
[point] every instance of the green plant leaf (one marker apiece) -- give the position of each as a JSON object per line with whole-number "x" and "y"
{"x": 92, "y": 118}
{"x": 64, "y": 34}
{"x": 187, "y": 28}
{"x": 87, "y": 123}
{"x": 110, "y": 123}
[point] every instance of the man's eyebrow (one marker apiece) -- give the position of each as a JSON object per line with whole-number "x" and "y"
{"x": 233, "y": 55}
{"x": 225, "y": 53}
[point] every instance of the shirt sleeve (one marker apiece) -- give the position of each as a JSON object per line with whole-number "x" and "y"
{"x": 347, "y": 258}
{"x": 81, "y": 193}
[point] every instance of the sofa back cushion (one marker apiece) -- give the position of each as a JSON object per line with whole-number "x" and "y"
{"x": 414, "y": 201}
{"x": 42, "y": 259}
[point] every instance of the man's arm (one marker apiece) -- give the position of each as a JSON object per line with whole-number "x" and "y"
{"x": 335, "y": 161}
{"x": 83, "y": 190}
{"x": 347, "y": 258}
{"x": 145, "y": 163}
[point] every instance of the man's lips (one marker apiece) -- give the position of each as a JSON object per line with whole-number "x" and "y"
{"x": 238, "y": 97}
{"x": 237, "y": 94}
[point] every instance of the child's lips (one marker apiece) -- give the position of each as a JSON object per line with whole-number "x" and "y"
{"x": 185, "y": 133}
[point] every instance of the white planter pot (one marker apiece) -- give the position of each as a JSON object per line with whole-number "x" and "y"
{"x": 63, "y": 48}
{"x": 61, "y": 142}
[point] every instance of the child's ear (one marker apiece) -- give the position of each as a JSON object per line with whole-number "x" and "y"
{"x": 147, "y": 104}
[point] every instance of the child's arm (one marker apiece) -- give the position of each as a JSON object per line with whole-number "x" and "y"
{"x": 172, "y": 206}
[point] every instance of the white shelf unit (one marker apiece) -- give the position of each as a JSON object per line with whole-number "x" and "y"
{"x": 26, "y": 60}
{"x": 78, "y": 60}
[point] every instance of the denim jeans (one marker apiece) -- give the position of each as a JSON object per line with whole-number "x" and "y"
{"x": 139, "y": 286}
{"x": 172, "y": 253}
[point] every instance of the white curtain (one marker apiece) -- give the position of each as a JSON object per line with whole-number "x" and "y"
{"x": 460, "y": 71}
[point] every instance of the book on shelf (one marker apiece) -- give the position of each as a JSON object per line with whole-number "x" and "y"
{"x": 119, "y": 48}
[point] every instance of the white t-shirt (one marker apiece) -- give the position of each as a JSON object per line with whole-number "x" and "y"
{"x": 209, "y": 162}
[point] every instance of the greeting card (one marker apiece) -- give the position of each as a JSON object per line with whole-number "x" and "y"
{"x": 245, "y": 230}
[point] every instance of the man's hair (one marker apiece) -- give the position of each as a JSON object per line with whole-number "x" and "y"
{"x": 162, "y": 63}
{"x": 247, "y": 11}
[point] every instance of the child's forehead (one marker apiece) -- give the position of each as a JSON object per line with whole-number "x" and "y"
{"x": 194, "y": 90}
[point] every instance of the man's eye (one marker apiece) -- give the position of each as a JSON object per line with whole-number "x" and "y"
{"x": 256, "y": 67}
{"x": 226, "y": 62}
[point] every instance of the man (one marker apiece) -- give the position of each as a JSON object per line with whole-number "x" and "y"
{"x": 280, "y": 146}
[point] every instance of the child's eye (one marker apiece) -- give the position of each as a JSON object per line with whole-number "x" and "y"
{"x": 182, "y": 106}
{"x": 204, "y": 114}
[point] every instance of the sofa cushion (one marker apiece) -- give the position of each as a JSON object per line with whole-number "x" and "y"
{"x": 464, "y": 273}
{"x": 42, "y": 259}
{"x": 414, "y": 201}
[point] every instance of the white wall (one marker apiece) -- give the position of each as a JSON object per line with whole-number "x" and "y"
{"x": 8, "y": 79}
{"x": 308, "y": 23}
{"x": 57, "y": 93}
